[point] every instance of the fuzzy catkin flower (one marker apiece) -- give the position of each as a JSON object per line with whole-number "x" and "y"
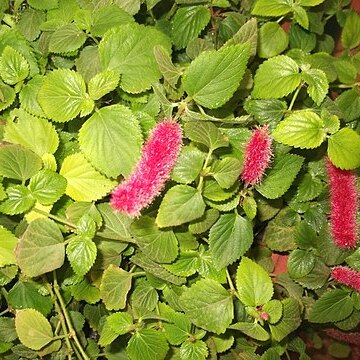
{"x": 347, "y": 337}
{"x": 158, "y": 157}
{"x": 343, "y": 206}
{"x": 346, "y": 276}
{"x": 257, "y": 155}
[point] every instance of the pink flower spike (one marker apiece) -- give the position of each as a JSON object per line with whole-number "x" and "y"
{"x": 343, "y": 206}
{"x": 347, "y": 337}
{"x": 345, "y": 275}
{"x": 158, "y": 158}
{"x": 257, "y": 155}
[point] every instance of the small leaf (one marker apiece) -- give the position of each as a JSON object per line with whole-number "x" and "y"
{"x": 303, "y": 129}
{"x": 19, "y": 200}
{"x": 193, "y": 350}
{"x": 115, "y": 285}
{"x": 265, "y": 111}
{"x": 81, "y": 253}
{"x": 63, "y": 96}
{"x": 333, "y": 305}
{"x": 84, "y": 183}
{"x": 7, "y": 96}
{"x": 318, "y": 85}
{"x": 276, "y": 77}
{"x": 274, "y": 308}
{"x": 185, "y": 265}
{"x": 349, "y": 104}
{"x": 229, "y": 238}
{"x": 120, "y": 322}
{"x": 205, "y": 133}
{"x": 300, "y": 263}
{"x": 254, "y": 330}
{"x": 205, "y": 222}
{"x": 226, "y": 171}
{"x": 41, "y": 5}
{"x": 41, "y": 248}
{"x": 7, "y": 247}
{"x": 33, "y": 328}
{"x": 350, "y": 35}
{"x": 181, "y": 204}
{"x": 208, "y": 305}
{"x": 13, "y": 66}
{"x": 271, "y": 7}
{"x": 253, "y": 283}
{"x": 66, "y": 39}
{"x": 103, "y": 83}
{"x": 344, "y": 149}
{"x": 213, "y": 77}
{"x": 144, "y": 296}
{"x": 273, "y": 40}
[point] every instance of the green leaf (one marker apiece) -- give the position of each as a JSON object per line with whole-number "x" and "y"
{"x": 114, "y": 287}
{"x": 185, "y": 265}
{"x": 213, "y": 77}
{"x": 301, "y": 16}
{"x": 205, "y": 222}
{"x": 13, "y": 66}
{"x": 129, "y": 50}
{"x": 281, "y": 175}
{"x": 187, "y": 24}
{"x": 272, "y": 7}
{"x": 110, "y": 131}
{"x": 344, "y": 149}
{"x": 84, "y": 183}
{"x": 333, "y": 305}
{"x": 66, "y": 39}
{"x": 28, "y": 97}
{"x": 120, "y": 322}
{"x": 309, "y": 188}
{"x": 290, "y": 320}
{"x": 107, "y": 335}
{"x": 265, "y": 111}
{"x": 253, "y": 283}
{"x": 229, "y": 238}
{"x": 147, "y": 344}
{"x": 310, "y": 2}
{"x": 19, "y": 200}
{"x": 276, "y": 77}
{"x": 254, "y": 330}
{"x": 350, "y": 35}
{"x": 226, "y": 171}
{"x": 7, "y": 96}
{"x": 7, "y": 329}
{"x": 181, "y": 204}
{"x": 41, "y": 5}
{"x": 144, "y": 296}
{"x": 18, "y": 163}
{"x": 34, "y": 133}
{"x": 81, "y": 253}
{"x": 349, "y": 104}
{"x": 274, "y": 308}
{"x": 188, "y": 165}
{"x": 318, "y": 85}
{"x": 205, "y": 132}
{"x": 208, "y": 305}
{"x": 29, "y": 23}
{"x": 63, "y": 96}
{"x": 41, "y": 248}
{"x": 47, "y": 186}
{"x": 7, "y": 247}
{"x": 130, "y": 6}
{"x": 33, "y": 328}
{"x": 155, "y": 269}
{"x": 85, "y": 291}
{"x": 159, "y": 245}
{"x": 193, "y": 350}
{"x": 103, "y": 83}
{"x": 302, "y": 128}
{"x": 273, "y": 40}
{"x": 301, "y": 38}
{"x": 300, "y": 263}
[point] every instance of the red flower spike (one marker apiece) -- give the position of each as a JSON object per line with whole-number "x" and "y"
{"x": 144, "y": 184}
{"x": 257, "y": 155}
{"x": 343, "y": 206}
{"x": 346, "y": 276}
{"x": 347, "y": 337}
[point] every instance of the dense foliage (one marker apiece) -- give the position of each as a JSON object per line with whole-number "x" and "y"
{"x": 248, "y": 251}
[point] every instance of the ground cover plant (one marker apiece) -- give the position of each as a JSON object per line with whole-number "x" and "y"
{"x": 179, "y": 179}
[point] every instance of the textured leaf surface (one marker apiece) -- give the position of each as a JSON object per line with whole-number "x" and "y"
{"x": 103, "y": 83}
{"x": 66, "y": 39}
{"x": 272, "y": 7}
{"x": 13, "y": 66}
{"x": 254, "y": 330}
{"x": 7, "y": 246}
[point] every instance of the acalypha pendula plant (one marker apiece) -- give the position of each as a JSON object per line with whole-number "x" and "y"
{"x": 158, "y": 157}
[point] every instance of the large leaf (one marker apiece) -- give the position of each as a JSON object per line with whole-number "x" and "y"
{"x": 213, "y": 77}
{"x": 33, "y": 328}
{"x": 159, "y": 245}
{"x": 187, "y": 23}
{"x": 253, "y": 283}
{"x": 41, "y": 248}
{"x": 230, "y": 237}
{"x": 129, "y": 49}
{"x": 18, "y": 163}
{"x": 7, "y": 247}
{"x": 276, "y": 78}
{"x": 272, "y": 7}
{"x": 115, "y": 285}
{"x": 181, "y": 204}
{"x": 84, "y": 183}
{"x": 13, "y": 66}
{"x": 208, "y": 305}
{"x": 273, "y": 40}
{"x": 344, "y": 149}
{"x": 111, "y": 131}
{"x": 303, "y": 129}
{"x": 63, "y": 96}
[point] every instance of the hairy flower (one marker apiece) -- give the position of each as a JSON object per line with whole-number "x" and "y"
{"x": 347, "y": 337}
{"x": 343, "y": 206}
{"x": 346, "y": 276}
{"x": 257, "y": 156}
{"x": 158, "y": 158}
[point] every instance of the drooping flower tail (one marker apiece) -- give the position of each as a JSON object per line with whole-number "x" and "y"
{"x": 345, "y": 275}
{"x": 158, "y": 157}
{"x": 257, "y": 155}
{"x": 343, "y": 206}
{"x": 347, "y": 337}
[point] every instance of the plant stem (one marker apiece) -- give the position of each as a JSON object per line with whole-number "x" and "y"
{"x": 55, "y": 218}
{"x": 139, "y": 273}
{"x": 295, "y": 96}
{"x": 231, "y": 284}
{"x": 203, "y": 168}
{"x": 4, "y": 312}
